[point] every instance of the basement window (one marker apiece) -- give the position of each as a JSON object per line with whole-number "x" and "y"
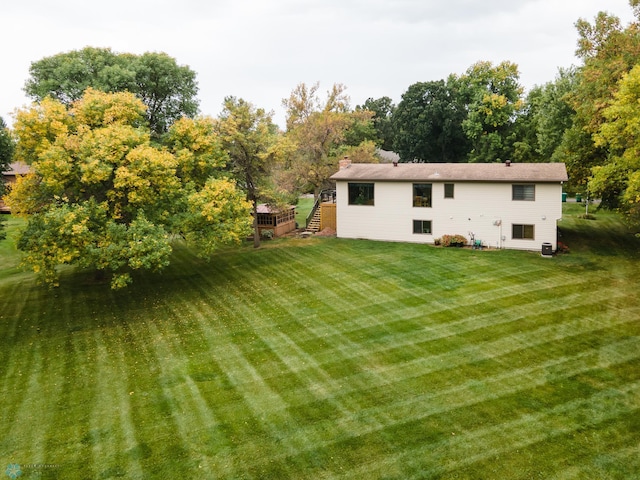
{"x": 422, "y": 227}
{"x": 522, "y": 232}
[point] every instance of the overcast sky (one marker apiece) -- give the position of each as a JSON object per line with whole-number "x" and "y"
{"x": 260, "y": 50}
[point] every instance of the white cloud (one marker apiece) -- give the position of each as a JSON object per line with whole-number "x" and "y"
{"x": 261, "y": 50}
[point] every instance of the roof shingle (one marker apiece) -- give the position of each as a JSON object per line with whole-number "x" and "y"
{"x": 460, "y": 172}
{"x": 17, "y": 168}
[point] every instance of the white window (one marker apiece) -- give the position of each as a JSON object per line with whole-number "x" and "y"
{"x": 524, "y": 192}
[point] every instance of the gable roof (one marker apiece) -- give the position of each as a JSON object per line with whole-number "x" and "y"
{"x": 17, "y": 168}
{"x": 387, "y": 156}
{"x": 449, "y": 172}
{"x": 264, "y": 208}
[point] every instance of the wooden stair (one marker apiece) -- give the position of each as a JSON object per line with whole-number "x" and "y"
{"x": 314, "y": 223}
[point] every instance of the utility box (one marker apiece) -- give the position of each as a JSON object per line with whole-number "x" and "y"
{"x": 547, "y": 249}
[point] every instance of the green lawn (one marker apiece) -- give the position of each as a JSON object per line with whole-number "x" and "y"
{"x": 332, "y": 359}
{"x": 304, "y": 206}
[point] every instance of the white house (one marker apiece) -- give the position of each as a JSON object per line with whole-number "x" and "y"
{"x": 503, "y": 205}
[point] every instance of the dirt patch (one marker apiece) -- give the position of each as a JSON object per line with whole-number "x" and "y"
{"x": 326, "y": 232}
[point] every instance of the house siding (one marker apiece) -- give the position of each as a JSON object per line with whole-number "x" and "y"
{"x": 484, "y": 208}
{"x": 10, "y": 176}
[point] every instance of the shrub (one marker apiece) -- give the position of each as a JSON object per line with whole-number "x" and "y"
{"x": 456, "y": 240}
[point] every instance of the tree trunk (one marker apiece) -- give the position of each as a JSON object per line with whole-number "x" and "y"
{"x": 256, "y": 231}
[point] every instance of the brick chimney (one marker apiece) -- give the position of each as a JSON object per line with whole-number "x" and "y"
{"x": 345, "y": 163}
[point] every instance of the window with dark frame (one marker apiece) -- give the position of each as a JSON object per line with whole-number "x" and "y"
{"x": 422, "y": 195}
{"x": 266, "y": 219}
{"x": 361, "y": 194}
{"x": 422, "y": 227}
{"x": 522, "y": 232}
{"x": 448, "y": 190}
{"x": 525, "y": 192}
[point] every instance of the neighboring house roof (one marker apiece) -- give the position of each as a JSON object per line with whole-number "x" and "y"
{"x": 387, "y": 156}
{"x": 467, "y": 172}
{"x": 17, "y": 168}
{"x": 264, "y": 208}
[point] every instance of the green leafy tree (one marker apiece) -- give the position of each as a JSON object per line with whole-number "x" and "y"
{"x": 101, "y": 196}
{"x": 361, "y": 129}
{"x": 383, "y": 109}
{"x": 471, "y": 117}
{"x": 554, "y": 115}
{"x": 249, "y": 137}
{"x": 427, "y": 123}
{"x": 562, "y": 136}
{"x": 526, "y": 147}
{"x": 493, "y": 96}
{"x": 7, "y": 147}
{"x": 579, "y": 153}
{"x": 166, "y": 88}
{"x": 6, "y": 154}
{"x": 545, "y": 117}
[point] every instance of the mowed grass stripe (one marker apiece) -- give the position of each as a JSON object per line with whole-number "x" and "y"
{"x": 13, "y": 361}
{"x": 346, "y": 318}
{"x": 252, "y": 377}
{"x": 384, "y": 385}
{"x": 236, "y": 362}
{"x": 184, "y": 405}
{"x": 74, "y": 359}
{"x": 417, "y": 405}
{"x": 112, "y": 433}
{"x": 28, "y": 393}
{"x": 33, "y": 407}
{"x": 459, "y": 449}
{"x": 374, "y": 375}
{"x": 624, "y": 462}
{"x": 227, "y": 364}
{"x": 331, "y": 359}
{"x": 519, "y": 322}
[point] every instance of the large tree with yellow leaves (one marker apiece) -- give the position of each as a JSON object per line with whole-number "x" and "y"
{"x": 618, "y": 181}
{"x": 102, "y": 196}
